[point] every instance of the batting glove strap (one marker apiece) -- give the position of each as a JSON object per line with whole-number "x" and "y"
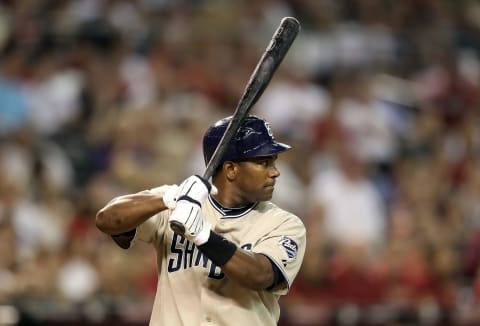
{"x": 218, "y": 249}
{"x": 189, "y": 199}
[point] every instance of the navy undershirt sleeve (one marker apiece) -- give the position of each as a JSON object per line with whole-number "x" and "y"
{"x": 277, "y": 275}
{"x": 123, "y": 240}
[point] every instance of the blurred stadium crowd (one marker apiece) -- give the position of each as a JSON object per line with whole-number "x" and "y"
{"x": 380, "y": 99}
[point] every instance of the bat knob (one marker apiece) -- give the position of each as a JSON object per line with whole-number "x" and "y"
{"x": 177, "y": 227}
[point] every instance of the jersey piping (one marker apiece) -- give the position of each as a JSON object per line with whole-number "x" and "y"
{"x": 231, "y": 212}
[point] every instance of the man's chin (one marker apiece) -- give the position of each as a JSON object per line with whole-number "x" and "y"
{"x": 267, "y": 196}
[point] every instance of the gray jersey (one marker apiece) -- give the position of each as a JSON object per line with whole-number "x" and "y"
{"x": 191, "y": 290}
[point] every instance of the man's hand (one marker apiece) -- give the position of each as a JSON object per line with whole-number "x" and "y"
{"x": 189, "y": 199}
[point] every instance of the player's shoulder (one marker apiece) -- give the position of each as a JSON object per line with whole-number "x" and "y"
{"x": 269, "y": 208}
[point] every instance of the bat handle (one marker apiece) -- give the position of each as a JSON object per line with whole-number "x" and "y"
{"x": 177, "y": 227}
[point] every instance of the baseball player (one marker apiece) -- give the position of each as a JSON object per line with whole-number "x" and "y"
{"x": 239, "y": 252}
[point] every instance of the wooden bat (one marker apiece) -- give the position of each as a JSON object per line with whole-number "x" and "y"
{"x": 267, "y": 65}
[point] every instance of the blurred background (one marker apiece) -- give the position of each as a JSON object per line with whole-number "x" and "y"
{"x": 380, "y": 99}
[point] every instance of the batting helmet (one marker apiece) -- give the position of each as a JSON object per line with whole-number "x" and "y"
{"x": 253, "y": 139}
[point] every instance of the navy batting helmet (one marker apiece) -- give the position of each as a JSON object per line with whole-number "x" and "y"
{"x": 253, "y": 139}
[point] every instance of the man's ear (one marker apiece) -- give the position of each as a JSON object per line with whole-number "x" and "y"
{"x": 231, "y": 170}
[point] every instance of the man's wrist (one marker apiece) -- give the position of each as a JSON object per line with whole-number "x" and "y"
{"x": 218, "y": 249}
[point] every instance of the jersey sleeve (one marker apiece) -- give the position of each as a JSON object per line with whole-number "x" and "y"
{"x": 149, "y": 230}
{"x": 285, "y": 247}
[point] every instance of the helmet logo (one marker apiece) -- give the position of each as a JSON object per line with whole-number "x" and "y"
{"x": 269, "y": 129}
{"x": 247, "y": 132}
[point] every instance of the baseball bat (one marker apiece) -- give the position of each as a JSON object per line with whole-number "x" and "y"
{"x": 271, "y": 58}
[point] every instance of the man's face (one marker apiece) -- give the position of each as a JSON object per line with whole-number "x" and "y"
{"x": 256, "y": 178}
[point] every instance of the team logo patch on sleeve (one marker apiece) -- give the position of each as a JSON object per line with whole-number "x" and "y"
{"x": 290, "y": 246}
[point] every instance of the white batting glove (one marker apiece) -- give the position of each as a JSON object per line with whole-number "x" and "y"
{"x": 189, "y": 215}
{"x": 189, "y": 199}
{"x": 197, "y": 188}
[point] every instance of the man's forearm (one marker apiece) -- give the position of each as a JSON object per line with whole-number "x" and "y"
{"x": 125, "y": 213}
{"x": 251, "y": 270}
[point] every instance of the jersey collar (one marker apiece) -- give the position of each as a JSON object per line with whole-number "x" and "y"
{"x": 231, "y": 212}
